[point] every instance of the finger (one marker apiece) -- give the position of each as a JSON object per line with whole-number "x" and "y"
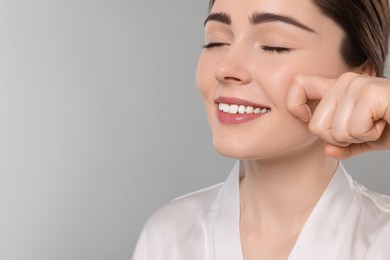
{"x": 322, "y": 120}
{"x": 302, "y": 89}
{"x": 346, "y": 104}
{"x": 343, "y": 153}
{"x": 358, "y": 110}
{"x": 331, "y": 117}
{"x": 366, "y": 121}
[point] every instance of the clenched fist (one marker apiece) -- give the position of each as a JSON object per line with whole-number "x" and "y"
{"x": 352, "y": 115}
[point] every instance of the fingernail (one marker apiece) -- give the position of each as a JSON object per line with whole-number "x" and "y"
{"x": 306, "y": 115}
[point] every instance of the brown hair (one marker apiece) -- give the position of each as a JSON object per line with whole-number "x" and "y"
{"x": 366, "y": 24}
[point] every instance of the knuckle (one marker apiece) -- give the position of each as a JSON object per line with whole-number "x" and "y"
{"x": 340, "y": 136}
{"x": 371, "y": 90}
{"x": 349, "y": 76}
{"x": 293, "y": 108}
{"x": 368, "y": 136}
{"x": 349, "y": 79}
{"x": 297, "y": 80}
{"x": 355, "y": 132}
{"x": 315, "y": 128}
{"x": 356, "y": 82}
{"x": 354, "y": 76}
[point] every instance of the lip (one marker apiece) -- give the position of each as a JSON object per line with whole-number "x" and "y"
{"x": 238, "y": 101}
{"x": 237, "y": 118}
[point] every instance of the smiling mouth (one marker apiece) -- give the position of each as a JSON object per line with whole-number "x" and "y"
{"x": 242, "y": 109}
{"x": 235, "y": 110}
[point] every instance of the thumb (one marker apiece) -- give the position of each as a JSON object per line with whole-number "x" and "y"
{"x": 343, "y": 153}
{"x": 302, "y": 89}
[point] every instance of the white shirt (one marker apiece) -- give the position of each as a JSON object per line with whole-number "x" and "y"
{"x": 349, "y": 222}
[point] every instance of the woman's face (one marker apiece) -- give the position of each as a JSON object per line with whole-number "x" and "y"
{"x": 254, "y": 48}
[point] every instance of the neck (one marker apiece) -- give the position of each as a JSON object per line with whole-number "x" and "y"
{"x": 280, "y": 193}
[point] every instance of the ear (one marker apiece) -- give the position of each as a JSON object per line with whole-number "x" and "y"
{"x": 367, "y": 69}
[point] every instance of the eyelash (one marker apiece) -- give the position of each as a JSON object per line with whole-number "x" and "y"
{"x": 213, "y": 45}
{"x": 277, "y": 50}
{"x": 270, "y": 49}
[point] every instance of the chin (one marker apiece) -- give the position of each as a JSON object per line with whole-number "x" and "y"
{"x": 233, "y": 152}
{"x": 266, "y": 149}
{"x": 240, "y": 149}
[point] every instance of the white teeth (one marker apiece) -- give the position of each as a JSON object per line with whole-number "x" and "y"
{"x": 233, "y": 109}
{"x": 241, "y": 109}
{"x": 225, "y": 108}
{"x": 264, "y": 110}
{"x": 249, "y": 110}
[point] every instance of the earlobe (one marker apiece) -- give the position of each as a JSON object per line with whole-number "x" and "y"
{"x": 367, "y": 69}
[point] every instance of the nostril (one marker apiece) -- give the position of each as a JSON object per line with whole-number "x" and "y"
{"x": 231, "y": 73}
{"x": 232, "y": 79}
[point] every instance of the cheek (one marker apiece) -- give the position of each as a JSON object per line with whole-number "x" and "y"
{"x": 205, "y": 78}
{"x": 273, "y": 81}
{"x": 207, "y": 83}
{"x": 275, "y": 75}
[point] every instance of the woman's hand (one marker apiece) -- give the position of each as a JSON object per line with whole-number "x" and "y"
{"x": 352, "y": 116}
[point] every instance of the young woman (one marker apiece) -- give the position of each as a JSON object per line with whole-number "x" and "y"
{"x": 290, "y": 88}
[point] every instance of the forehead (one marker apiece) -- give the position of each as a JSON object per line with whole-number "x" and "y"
{"x": 303, "y": 9}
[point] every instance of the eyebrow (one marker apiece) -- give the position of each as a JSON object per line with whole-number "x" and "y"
{"x": 219, "y": 17}
{"x": 258, "y": 18}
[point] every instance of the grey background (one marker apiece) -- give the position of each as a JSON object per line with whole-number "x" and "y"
{"x": 101, "y": 123}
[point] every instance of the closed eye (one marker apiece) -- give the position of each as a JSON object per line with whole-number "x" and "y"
{"x": 275, "y": 49}
{"x": 213, "y": 45}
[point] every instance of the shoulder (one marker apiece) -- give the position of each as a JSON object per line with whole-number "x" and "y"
{"x": 180, "y": 228}
{"x": 374, "y": 201}
{"x": 372, "y": 205}
{"x": 379, "y": 249}
{"x": 374, "y": 218}
{"x": 186, "y": 218}
{"x": 185, "y": 211}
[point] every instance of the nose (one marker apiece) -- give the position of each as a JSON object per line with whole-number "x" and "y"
{"x": 234, "y": 67}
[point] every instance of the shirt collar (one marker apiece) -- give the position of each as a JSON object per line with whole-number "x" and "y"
{"x": 227, "y": 221}
{"x": 327, "y": 219}
{"x": 321, "y": 226}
